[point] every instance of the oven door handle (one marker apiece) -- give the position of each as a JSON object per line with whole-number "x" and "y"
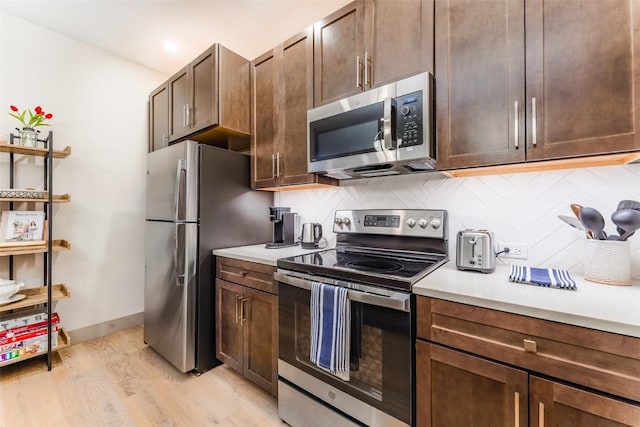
{"x": 396, "y": 301}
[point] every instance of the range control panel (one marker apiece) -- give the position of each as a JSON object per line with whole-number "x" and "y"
{"x": 400, "y": 222}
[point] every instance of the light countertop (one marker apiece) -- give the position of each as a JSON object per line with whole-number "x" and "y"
{"x": 593, "y": 305}
{"x": 260, "y": 254}
{"x": 604, "y": 307}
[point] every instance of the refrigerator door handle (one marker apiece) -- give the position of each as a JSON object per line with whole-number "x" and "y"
{"x": 177, "y": 187}
{"x": 180, "y": 265}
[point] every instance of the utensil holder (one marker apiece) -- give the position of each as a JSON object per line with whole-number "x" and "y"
{"x": 607, "y": 261}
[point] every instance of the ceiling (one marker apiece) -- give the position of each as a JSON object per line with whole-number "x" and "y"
{"x": 139, "y": 29}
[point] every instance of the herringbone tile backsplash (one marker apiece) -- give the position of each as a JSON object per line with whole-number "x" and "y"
{"x": 518, "y": 208}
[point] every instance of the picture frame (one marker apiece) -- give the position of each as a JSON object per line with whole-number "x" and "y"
{"x": 22, "y": 228}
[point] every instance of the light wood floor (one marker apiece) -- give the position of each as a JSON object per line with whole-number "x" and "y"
{"x": 119, "y": 381}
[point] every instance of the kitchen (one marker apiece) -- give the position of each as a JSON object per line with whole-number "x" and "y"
{"x": 105, "y": 176}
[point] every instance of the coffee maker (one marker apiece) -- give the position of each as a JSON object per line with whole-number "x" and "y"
{"x": 286, "y": 226}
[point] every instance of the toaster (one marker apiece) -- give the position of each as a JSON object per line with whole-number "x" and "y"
{"x": 475, "y": 251}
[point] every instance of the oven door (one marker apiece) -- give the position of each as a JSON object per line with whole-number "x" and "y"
{"x": 379, "y": 390}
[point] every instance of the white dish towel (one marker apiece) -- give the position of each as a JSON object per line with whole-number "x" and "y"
{"x": 330, "y": 329}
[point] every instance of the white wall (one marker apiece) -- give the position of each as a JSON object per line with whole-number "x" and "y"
{"x": 518, "y": 208}
{"x": 99, "y": 103}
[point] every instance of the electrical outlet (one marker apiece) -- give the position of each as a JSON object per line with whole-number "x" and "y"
{"x": 516, "y": 250}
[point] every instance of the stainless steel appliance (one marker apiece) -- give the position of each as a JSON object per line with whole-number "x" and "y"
{"x": 311, "y": 235}
{"x": 379, "y": 255}
{"x": 198, "y": 199}
{"x": 475, "y": 251}
{"x": 286, "y": 227}
{"x": 383, "y": 131}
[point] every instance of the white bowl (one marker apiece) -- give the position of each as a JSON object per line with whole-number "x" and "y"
{"x": 7, "y": 291}
{"x": 5, "y": 282}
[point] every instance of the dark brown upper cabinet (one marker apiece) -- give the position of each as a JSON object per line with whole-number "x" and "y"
{"x": 282, "y": 85}
{"x": 570, "y": 92}
{"x": 208, "y": 101}
{"x": 369, "y": 43}
{"x": 159, "y": 118}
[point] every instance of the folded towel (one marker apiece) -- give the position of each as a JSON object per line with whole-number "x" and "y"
{"x": 549, "y": 277}
{"x": 330, "y": 327}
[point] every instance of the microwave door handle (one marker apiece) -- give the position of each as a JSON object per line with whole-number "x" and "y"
{"x": 386, "y": 125}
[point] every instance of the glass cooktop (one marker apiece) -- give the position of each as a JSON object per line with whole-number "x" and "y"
{"x": 397, "y": 270}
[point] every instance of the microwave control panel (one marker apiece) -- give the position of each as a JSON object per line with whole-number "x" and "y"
{"x": 409, "y": 119}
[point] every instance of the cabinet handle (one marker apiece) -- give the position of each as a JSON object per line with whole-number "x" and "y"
{"x": 243, "y": 273}
{"x": 516, "y": 399}
{"x": 277, "y": 165}
{"x": 273, "y": 166}
{"x": 242, "y": 313}
{"x": 530, "y": 346}
{"x": 367, "y": 59}
{"x": 515, "y": 108}
{"x": 188, "y": 116}
{"x": 358, "y": 66}
{"x": 534, "y": 122}
{"x": 540, "y": 414}
{"x": 184, "y": 116}
{"x": 238, "y": 299}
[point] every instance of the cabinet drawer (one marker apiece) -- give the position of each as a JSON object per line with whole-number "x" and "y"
{"x": 251, "y": 274}
{"x": 596, "y": 359}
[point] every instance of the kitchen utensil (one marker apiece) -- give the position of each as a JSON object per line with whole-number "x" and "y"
{"x": 593, "y": 220}
{"x": 7, "y": 291}
{"x": 311, "y": 235}
{"x": 628, "y": 204}
{"x": 574, "y": 222}
{"x": 576, "y": 209}
{"x": 628, "y": 220}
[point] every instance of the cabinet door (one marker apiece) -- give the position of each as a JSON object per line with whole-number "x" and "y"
{"x": 479, "y": 77}
{"x": 234, "y": 91}
{"x": 178, "y": 104}
{"x": 455, "y": 389}
{"x": 582, "y": 71}
{"x": 229, "y": 342}
{"x": 399, "y": 40}
{"x": 261, "y": 339}
{"x": 264, "y": 72}
{"x": 339, "y": 54}
{"x": 558, "y": 405}
{"x": 203, "y": 107}
{"x": 158, "y": 118}
{"x": 297, "y": 91}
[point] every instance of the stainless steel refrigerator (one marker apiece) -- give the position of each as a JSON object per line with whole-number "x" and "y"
{"x": 198, "y": 199}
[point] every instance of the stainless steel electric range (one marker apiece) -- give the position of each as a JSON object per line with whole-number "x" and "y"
{"x": 378, "y": 257}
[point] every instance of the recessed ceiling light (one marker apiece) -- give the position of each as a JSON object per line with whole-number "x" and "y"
{"x": 170, "y": 46}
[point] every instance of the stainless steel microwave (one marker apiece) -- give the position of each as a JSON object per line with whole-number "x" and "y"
{"x": 384, "y": 131}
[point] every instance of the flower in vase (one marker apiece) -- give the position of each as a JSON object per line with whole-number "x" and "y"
{"x": 31, "y": 119}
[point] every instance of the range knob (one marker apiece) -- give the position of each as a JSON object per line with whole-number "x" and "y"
{"x": 338, "y": 220}
{"x": 405, "y": 110}
{"x": 346, "y": 221}
{"x": 423, "y": 223}
{"x": 435, "y": 223}
{"x": 411, "y": 222}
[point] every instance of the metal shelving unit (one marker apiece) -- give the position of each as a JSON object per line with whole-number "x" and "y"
{"x": 36, "y": 297}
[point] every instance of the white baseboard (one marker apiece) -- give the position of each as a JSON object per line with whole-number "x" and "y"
{"x": 101, "y": 329}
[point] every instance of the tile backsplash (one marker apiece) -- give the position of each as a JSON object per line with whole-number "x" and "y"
{"x": 518, "y": 208}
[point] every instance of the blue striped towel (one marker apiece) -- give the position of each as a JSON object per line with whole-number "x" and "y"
{"x": 330, "y": 328}
{"x": 548, "y": 277}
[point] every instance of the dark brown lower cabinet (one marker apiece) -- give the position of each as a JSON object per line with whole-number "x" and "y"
{"x": 554, "y": 404}
{"x": 247, "y": 332}
{"x": 482, "y": 367}
{"x": 456, "y": 389}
